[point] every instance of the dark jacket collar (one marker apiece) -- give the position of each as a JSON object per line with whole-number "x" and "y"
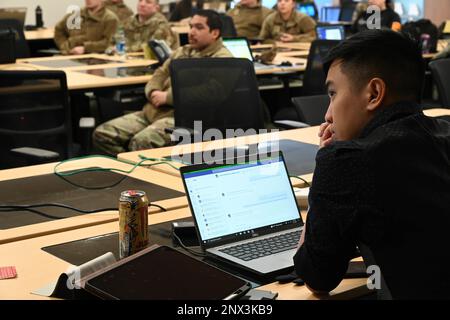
{"x": 391, "y": 113}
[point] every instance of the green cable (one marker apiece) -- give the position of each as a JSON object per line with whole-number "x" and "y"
{"x": 140, "y": 163}
{"x": 303, "y": 180}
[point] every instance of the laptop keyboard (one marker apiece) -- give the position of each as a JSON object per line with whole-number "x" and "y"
{"x": 261, "y": 248}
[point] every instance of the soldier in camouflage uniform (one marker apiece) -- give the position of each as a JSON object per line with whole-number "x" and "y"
{"x": 93, "y": 35}
{"x": 288, "y": 25}
{"x": 121, "y": 10}
{"x": 146, "y": 25}
{"x": 145, "y": 129}
{"x": 248, "y": 17}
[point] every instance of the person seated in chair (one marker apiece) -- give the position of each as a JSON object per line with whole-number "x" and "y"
{"x": 382, "y": 175}
{"x": 389, "y": 18}
{"x": 146, "y": 25}
{"x": 248, "y": 17}
{"x": 120, "y": 9}
{"x": 288, "y": 25}
{"x": 145, "y": 129}
{"x": 94, "y": 33}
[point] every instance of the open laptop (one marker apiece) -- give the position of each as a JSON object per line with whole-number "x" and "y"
{"x": 240, "y": 48}
{"x": 245, "y": 213}
{"x": 16, "y": 13}
{"x": 330, "y": 32}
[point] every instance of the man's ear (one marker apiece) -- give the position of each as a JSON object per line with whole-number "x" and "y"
{"x": 377, "y": 93}
{"x": 215, "y": 33}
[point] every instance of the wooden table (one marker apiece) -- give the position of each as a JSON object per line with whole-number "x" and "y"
{"x": 40, "y": 34}
{"x": 37, "y": 268}
{"x": 83, "y": 81}
{"x": 82, "y": 221}
{"x": 307, "y": 135}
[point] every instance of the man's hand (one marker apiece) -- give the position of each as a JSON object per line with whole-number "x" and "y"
{"x": 325, "y": 134}
{"x": 77, "y": 50}
{"x": 286, "y": 37}
{"x": 158, "y": 98}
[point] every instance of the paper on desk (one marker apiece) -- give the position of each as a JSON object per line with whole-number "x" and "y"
{"x": 70, "y": 279}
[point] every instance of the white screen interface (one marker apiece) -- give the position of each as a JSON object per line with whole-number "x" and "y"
{"x": 237, "y": 199}
{"x": 238, "y": 48}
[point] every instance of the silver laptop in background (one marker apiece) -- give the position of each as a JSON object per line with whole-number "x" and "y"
{"x": 240, "y": 48}
{"x": 245, "y": 213}
{"x": 16, "y": 13}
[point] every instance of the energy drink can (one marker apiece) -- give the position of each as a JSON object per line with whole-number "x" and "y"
{"x": 133, "y": 222}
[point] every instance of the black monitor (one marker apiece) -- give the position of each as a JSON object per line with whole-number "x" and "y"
{"x": 16, "y": 13}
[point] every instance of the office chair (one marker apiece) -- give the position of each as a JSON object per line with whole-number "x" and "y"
{"x": 311, "y": 109}
{"x": 228, "y": 28}
{"x": 347, "y": 10}
{"x": 35, "y": 118}
{"x": 220, "y": 92}
{"x": 440, "y": 70}
{"x": 314, "y": 76}
{"x": 384, "y": 292}
{"x": 21, "y": 47}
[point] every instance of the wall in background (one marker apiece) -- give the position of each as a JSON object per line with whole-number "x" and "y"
{"x": 54, "y": 10}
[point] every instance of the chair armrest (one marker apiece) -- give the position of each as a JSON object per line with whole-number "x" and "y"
{"x": 290, "y": 124}
{"x": 36, "y": 155}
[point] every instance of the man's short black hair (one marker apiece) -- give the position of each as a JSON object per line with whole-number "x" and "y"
{"x": 384, "y": 54}
{"x": 214, "y": 21}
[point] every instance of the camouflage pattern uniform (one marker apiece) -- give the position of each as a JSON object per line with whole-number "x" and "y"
{"x": 95, "y": 33}
{"x": 145, "y": 129}
{"x": 121, "y": 10}
{"x": 248, "y": 20}
{"x": 156, "y": 27}
{"x": 301, "y": 26}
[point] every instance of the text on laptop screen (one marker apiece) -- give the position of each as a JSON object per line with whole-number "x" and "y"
{"x": 330, "y": 33}
{"x": 238, "y": 48}
{"x": 237, "y": 199}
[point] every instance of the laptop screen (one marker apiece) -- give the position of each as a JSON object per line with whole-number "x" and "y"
{"x": 330, "y": 33}
{"x": 308, "y": 9}
{"x": 241, "y": 199}
{"x": 238, "y": 47}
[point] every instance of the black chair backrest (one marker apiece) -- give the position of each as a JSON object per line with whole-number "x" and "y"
{"x": 228, "y": 28}
{"x": 384, "y": 293}
{"x": 21, "y": 49}
{"x": 311, "y": 109}
{"x": 441, "y": 75}
{"x": 314, "y": 76}
{"x": 220, "y": 92}
{"x": 7, "y": 43}
{"x": 34, "y": 112}
{"x": 347, "y": 11}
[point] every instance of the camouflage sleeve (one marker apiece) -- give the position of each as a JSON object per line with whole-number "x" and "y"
{"x": 61, "y": 36}
{"x": 110, "y": 28}
{"x": 158, "y": 79}
{"x": 307, "y": 30}
{"x": 163, "y": 32}
{"x": 265, "y": 33}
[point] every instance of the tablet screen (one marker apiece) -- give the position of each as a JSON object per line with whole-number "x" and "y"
{"x": 165, "y": 274}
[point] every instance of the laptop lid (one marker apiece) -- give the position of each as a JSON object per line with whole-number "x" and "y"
{"x": 240, "y": 199}
{"x": 239, "y": 48}
{"x": 333, "y": 32}
{"x": 16, "y": 13}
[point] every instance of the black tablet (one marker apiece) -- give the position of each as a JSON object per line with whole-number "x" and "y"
{"x": 166, "y": 274}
